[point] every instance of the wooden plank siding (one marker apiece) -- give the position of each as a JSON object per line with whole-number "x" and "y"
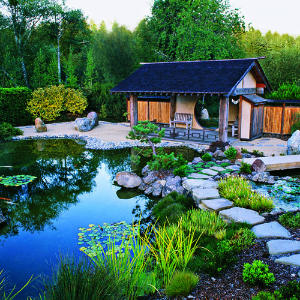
{"x": 289, "y": 115}
{"x": 158, "y": 111}
{"x": 257, "y": 121}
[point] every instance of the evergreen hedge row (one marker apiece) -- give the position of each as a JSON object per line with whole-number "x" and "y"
{"x": 13, "y": 103}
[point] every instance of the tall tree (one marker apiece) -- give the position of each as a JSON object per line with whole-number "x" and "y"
{"x": 70, "y": 68}
{"x": 24, "y": 16}
{"x": 40, "y": 70}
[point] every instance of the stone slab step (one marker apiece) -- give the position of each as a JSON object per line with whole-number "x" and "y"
{"x": 283, "y": 246}
{"x": 242, "y": 215}
{"x": 190, "y": 184}
{"x": 210, "y": 172}
{"x": 271, "y": 230}
{"x": 293, "y": 260}
{"x": 217, "y": 204}
{"x": 198, "y": 176}
{"x": 200, "y": 194}
{"x": 218, "y": 169}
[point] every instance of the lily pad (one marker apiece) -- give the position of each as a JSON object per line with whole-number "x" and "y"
{"x": 16, "y": 180}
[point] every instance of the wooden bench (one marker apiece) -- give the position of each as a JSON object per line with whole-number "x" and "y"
{"x": 234, "y": 127}
{"x": 182, "y": 118}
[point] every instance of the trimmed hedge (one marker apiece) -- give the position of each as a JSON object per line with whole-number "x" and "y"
{"x": 13, "y": 103}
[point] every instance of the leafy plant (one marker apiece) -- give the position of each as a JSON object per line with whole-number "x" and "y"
{"x": 231, "y": 153}
{"x": 167, "y": 162}
{"x": 242, "y": 239}
{"x": 224, "y": 164}
{"x": 245, "y": 168}
{"x": 172, "y": 248}
{"x": 286, "y": 91}
{"x": 181, "y": 284}
{"x": 144, "y": 132}
{"x": 290, "y": 220}
{"x": 181, "y": 171}
{"x": 7, "y": 131}
{"x": 205, "y": 222}
{"x": 258, "y": 274}
{"x": 206, "y": 157}
{"x": 244, "y": 150}
{"x": 81, "y": 280}
{"x": 258, "y": 153}
{"x": 238, "y": 190}
{"x": 172, "y": 207}
{"x": 48, "y": 103}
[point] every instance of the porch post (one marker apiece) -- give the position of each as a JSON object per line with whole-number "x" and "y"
{"x": 172, "y": 107}
{"x": 223, "y": 118}
{"x": 133, "y": 110}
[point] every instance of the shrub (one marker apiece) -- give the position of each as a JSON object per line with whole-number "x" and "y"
{"x": 239, "y": 191}
{"x": 181, "y": 284}
{"x": 13, "y": 103}
{"x": 231, "y": 153}
{"x": 258, "y": 274}
{"x": 81, "y": 280}
{"x": 206, "y": 157}
{"x": 286, "y": 91}
{"x": 242, "y": 239}
{"x": 258, "y": 153}
{"x": 167, "y": 162}
{"x": 205, "y": 222}
{"x": 245, "y": 168}
{"x": 181, "y": 171}
{"x": 295, "y": 123}
{"x": 172, "y": 207}
{"x": 7, "y": 131}
{"x": 290, "y": 220}
{"x": 48, "y": 103}
{"x": 244, "y": 150}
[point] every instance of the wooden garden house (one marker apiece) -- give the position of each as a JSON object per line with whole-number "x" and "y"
{"x": 160, "y": 91}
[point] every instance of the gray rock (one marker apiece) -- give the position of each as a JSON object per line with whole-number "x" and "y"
{"x": 145, "y": 170}
{"x": 157, "y": 187}
{"x": 2, "y": 218}
{"x": 219, "y": 154}
{"x": 240, "y": 215}
{"x": 218, "y": 169}
{"x": 149, "y": 190}
{"x": 128, "y": 179}
{"x": 217, "y": 204}
{"x": 94, "y": 118}
{"x": 199, "y": 176}
{"x": 293, "y": 144}
{"x": 40, "y": 125}
{"x": 143, "y": 186}
{"x": 209, "y": 172}
{"x": 271, "y": 180}
{"x": 197, "y": 160}
{"x": 191, "y": 184}
{"x": 172, "y": 184}
{"x": 233, "y": 168}
{"x": 258, "y": 166}
{"x": 200, "y": 194}
{"x": 83, "y": 124}
{"x": 293, "y": 260}
{"x": 271, "y": 230}
{"x": 151, "y": 177}
{"x": 283, "y": 246}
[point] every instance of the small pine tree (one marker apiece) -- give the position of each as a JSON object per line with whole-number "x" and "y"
{"x": 90, "y": 70}
{"x": 71, "y": 78}
{"x": 40, "y": 76}
{"x": 52, "y": 74}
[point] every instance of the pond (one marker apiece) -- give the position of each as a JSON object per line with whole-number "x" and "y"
{"x": 73, "y": 188}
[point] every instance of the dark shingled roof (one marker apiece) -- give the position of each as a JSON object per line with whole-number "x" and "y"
{"x": 255, "y": 99}
{"x": 213, "y": 76}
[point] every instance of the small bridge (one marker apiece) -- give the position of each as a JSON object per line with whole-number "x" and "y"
{"x": 274, "y": 163}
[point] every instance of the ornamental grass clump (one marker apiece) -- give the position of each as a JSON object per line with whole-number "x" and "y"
{"x": 238, "y": 190}
{"x": 181, "y": 284}
{"x": 290, "y": 220}
{"x": 205, "y": 223}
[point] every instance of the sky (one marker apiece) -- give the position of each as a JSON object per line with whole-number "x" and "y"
{"x": 275, "y": 15}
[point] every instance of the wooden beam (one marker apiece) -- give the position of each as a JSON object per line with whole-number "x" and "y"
{"x": 133, "y": 110}
{"x": 223, "y": 118}
{"x": 172, "y": 106}
{"x": 282, "y": 119}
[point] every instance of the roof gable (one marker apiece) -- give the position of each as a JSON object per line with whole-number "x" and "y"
{"x": 214, "y": 76}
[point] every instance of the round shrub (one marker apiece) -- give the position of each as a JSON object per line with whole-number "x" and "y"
{"x": 231, "y": 153}
{"x": 258, "y": 274}
{"x": 48, "y": 103}
{"x": 7, "y": 131}
{"x": 181, "y": 284}
{"x": 206, "y": 157}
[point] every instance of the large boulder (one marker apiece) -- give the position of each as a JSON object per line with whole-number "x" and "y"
{"x": 293, "y": 144}
{"x": 40, "y": 125}
{"x": 258, "y": 166}
{"x": 172, "y": 184}
{"x": 157, "y": 187}
{"x": 128, "y": 179}
{"x": 94, "y": 118}
{"x": 83, "y": 124}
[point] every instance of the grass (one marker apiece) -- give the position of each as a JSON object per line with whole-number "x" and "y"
{"x": 238, "y": 190}
{"x": 290, "y": 220}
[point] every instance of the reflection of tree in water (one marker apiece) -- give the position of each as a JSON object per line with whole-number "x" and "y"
{"x": 63, "y": 169}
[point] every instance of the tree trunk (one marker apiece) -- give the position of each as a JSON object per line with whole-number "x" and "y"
{"x": 24, "y": 71}
{"x": 133, "y": 110}
{"x": 58, "y": 57}
{"x": 223, "y": 118}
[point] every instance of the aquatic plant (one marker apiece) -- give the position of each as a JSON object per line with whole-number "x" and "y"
{"x": 16, "y": 180}
{"x": 239, "y": 190}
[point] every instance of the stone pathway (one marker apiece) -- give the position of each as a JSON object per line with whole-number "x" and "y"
{"x": 204, "y": 190}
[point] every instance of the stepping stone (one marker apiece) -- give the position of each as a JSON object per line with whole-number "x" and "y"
{"x": 198, "y": 176}
{"x": 283, "y": 246}
{"x": 242, "y": 215}
{"x": 233, "y": 168}
{"x": 204, "y": 194}
{"x": 271, "y": 230}
{"x": 218, "y": 169}
{"x": 217, "y": 204}
{"x": 191, "y": 184}
{"x": 293, "y": 260}
{"x": 209, "y": 172}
